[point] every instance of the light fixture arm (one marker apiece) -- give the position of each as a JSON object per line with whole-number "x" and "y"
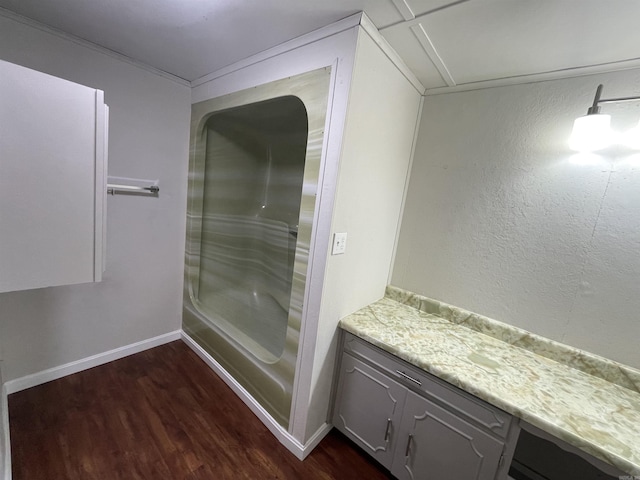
{"x": 595, "y": 109}
{"x": 592, "y": 132}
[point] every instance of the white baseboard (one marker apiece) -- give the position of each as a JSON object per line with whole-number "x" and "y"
{"x": 283, "y": 436}
{"x": 13, "y": 386}
{"x": 18, "y": 384}
{"x": 315, "y": 439}
{"x": 28, "y": 381}
{"x": 4, "y": 412}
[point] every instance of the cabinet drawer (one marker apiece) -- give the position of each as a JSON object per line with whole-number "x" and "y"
{"x": 474, "y": 409}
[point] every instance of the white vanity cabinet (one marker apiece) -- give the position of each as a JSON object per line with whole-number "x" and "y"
{"x": 416, "y": 425}
{"x": 369, "y": 408}
{"x": 441, "y": 444}
{"x": 53, "y": 159}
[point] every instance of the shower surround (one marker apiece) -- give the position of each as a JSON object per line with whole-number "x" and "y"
{"x": 253, "y": 177}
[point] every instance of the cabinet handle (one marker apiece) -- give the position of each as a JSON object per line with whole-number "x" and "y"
{"x": 408, "y": 449}
{"x": 404, "y": 375}
{"x": 386, "y": 432}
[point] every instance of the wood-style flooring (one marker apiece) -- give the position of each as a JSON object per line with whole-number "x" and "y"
{"x": 159, "y": 414}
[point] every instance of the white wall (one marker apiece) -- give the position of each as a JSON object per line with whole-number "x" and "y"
{"x": 141, "y": 294}
{"x": 374, "y": 166}
{"x": 502, "y": 219}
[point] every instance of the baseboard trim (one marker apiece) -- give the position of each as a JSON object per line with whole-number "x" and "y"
{"x": 28, "y": 381}
{"x": 316, "y": 438}
{"x": 283, "y": 436}
{"x": 4, "y": 411}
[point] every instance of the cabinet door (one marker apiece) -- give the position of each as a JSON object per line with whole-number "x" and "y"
{"x": 369, "y": 408}
{"x": 52, "y": 180}
{"x": 434, "y": 444}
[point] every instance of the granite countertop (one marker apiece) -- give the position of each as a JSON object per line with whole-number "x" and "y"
{"x": 589, "y": 402}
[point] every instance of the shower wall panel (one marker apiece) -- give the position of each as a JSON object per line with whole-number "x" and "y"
{"x": 253, "y": 182}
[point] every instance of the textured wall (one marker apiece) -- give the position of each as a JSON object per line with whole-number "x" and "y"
{"x": 502, "y": 219}
{"x": 141, "y": 294}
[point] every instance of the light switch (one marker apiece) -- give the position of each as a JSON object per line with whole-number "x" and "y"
{"x": 339, "y": 243}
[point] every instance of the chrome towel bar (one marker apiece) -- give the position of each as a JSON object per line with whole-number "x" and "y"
{"x": 114, "y": 189}
{"x": 132, "y": 186}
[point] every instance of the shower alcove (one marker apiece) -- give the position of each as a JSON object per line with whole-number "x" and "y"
{"x": 250, "y": 254}
{"x": 253, "y": 176}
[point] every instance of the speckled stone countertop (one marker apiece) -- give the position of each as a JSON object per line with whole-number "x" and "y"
{"x": 589, "y": 402}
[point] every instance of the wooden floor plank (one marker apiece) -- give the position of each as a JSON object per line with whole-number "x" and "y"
{"x": 159, "y": 414}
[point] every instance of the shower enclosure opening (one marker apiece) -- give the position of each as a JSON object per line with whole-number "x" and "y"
{"x": 252, "y": 186}
{"x": 254, "y": 164}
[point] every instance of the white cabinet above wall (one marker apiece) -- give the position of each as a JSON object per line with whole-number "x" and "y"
{"x": 53, "y": 159}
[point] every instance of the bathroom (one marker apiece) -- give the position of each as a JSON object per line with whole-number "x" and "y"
{"x": 524, "y": 231}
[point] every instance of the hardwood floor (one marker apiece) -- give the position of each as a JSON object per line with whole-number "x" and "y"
{"x": 159, "y": 414}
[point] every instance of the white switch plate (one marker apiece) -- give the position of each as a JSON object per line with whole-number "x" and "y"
{"x": 339, "y": 243}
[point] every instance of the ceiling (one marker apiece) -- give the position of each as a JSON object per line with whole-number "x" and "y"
{"x": 447, "y": 44}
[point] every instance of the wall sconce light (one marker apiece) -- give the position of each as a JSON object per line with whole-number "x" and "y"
{"x": 592, "y": 132}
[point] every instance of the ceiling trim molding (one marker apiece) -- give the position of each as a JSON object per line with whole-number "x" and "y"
{"x": 417, "y": 19}
{"x": 358, "y": 19}
{"x": 369, "y": 27}
{"x": 630, "y": 64}
{"x": 428, "y": 47}
{"x": 91, "y": 46}
{"x": 404, "y": 9}
{"x": 311, "y": 37}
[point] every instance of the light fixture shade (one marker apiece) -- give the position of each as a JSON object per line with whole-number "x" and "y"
{"x": 591, "y": 133}
{"x": 631, "y": 138}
